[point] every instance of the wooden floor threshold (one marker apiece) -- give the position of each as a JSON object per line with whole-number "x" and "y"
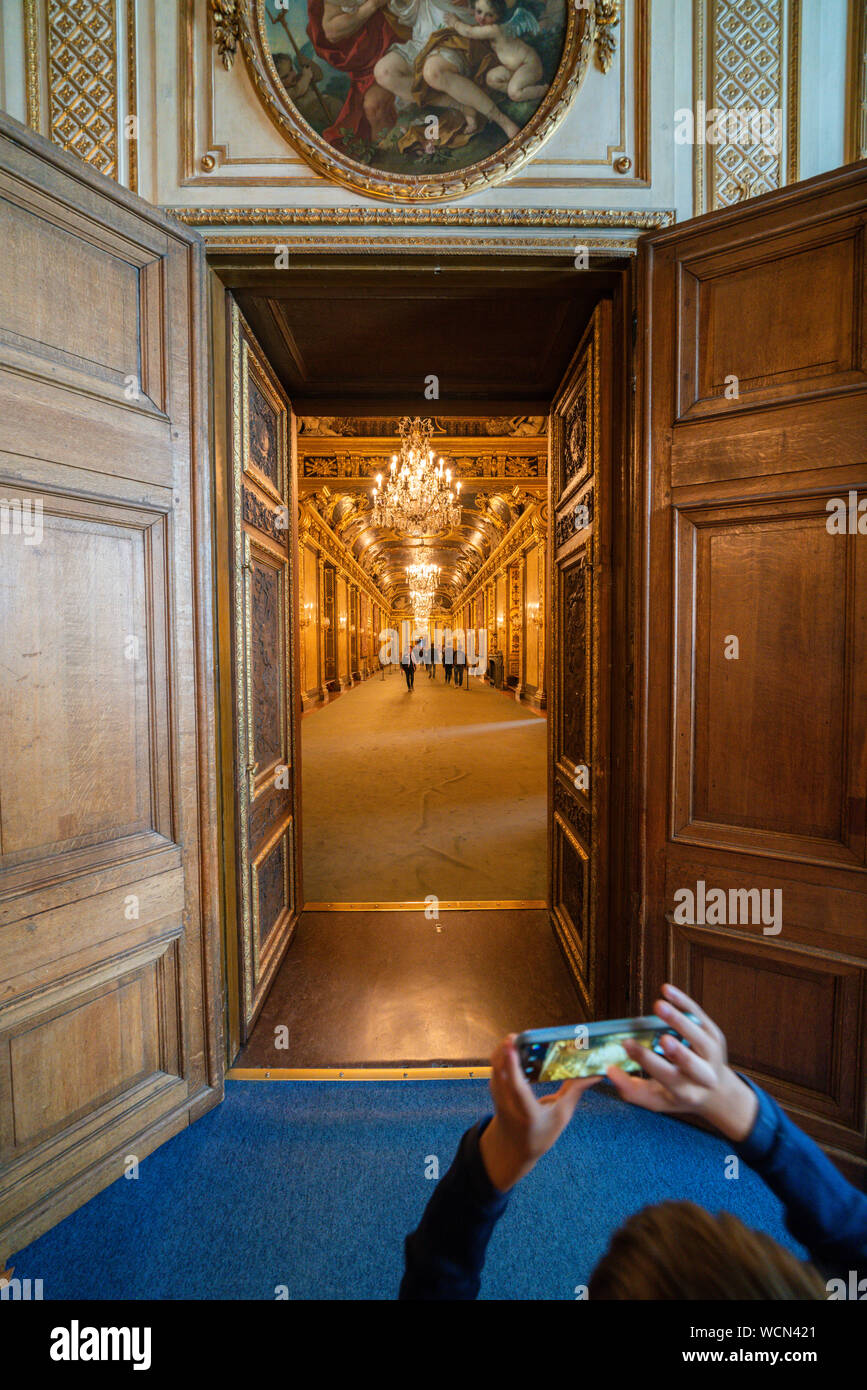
{"x": 467, "y": 1073}
{"x": 488, "y": 905}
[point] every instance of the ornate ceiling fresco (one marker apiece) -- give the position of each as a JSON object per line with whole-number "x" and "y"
{"x": 501, "y": 463}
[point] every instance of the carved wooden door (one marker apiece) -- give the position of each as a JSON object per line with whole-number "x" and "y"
{"x": 578, "y": 641}
{"x": 264, "y": 550}
{"x": 110, "y": 1025}
{"x": 754, "y": 376}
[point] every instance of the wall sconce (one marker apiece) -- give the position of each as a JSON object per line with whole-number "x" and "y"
{"x": 534, "y": 615}
{"x": 305, "y": 617}
{"x": 326, "y": 622}
{"x": 343, "y": 620}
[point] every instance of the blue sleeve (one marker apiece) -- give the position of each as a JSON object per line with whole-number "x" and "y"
{"x": 445, "y": 1254}
{"x": 824, "y": 1212}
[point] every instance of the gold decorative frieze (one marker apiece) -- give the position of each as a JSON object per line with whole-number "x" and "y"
{"x": 362, "y": 465}
{"x": 576, "y": 219}
{"x": 386, "y": 427}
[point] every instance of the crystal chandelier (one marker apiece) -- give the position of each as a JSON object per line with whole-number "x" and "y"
{"x": 423, "y": 578}
{"x": 417, "y": 498}
{"x": 421, "y": 604}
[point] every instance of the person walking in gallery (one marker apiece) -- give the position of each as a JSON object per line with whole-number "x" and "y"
{"x": 430, "y": 662}
{"x": 406, "y": 665}
{"x": 460, "y": 662}
{"x": 416, "y": 657}
{"x": 448, "y": 660}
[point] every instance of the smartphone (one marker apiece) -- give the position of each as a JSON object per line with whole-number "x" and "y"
{"x": 587, "y": 1049}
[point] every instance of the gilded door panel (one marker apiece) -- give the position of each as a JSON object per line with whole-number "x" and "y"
{"x": 579, "y": 637}
{"x": 329, "y": 620}
{"x": 266, "y": 769}
{"x": 754, "y": 375}
{"x": 109, "y": 1013}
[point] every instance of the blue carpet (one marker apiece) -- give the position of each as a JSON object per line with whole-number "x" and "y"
{"x": 313, "y": 1185}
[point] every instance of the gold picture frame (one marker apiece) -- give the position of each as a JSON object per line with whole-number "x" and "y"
{"x": 589, "y": 30}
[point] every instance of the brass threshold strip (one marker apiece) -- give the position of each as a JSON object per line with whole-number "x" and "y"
{"x": 468, "y": 1073}
{"x": 487, "y": 906}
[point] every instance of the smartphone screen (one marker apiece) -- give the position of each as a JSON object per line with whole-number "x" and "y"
{"x": 585, "y": 1053}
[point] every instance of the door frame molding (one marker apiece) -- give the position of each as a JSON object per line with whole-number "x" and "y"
{"x": 244, "y": 254}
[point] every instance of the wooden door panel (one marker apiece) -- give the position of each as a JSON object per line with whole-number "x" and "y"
{"x": 96, "y": 777}
{"x": 123, "y": 1018}
{"x": 109, "y": 1022}
{"x": 580, "y": 493}
{"x": 783, "y": 345}
{"x": 752, "y": 746}
{"x": 756, "y": 755}
{"x": 786, "y": 1015}
{"x": 266, "y": 786}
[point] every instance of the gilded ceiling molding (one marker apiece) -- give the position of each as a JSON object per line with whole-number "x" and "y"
{"x": 746, "y": 58}
{"x": 856, "y": 83}
{"x": 576, "y": 219}
{"x": 368, "y": 432}
{"x": 507, "y": 460}
{"x": 529, "y": 529}
{"x": 314, "y": 531}
{"x": 363, "y": 244}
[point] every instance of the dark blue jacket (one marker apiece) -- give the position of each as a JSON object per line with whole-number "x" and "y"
{"x": 445, "y": 1254}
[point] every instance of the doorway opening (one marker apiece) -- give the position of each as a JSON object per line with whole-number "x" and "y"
{"x": 415, "y": 861}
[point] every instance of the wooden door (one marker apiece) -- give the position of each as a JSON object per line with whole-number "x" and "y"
{"x": 579, "y": 639}
{"x": 109, "y": 1020}
{"x": 264, "y": 788}
{"x": 754, "y": 369}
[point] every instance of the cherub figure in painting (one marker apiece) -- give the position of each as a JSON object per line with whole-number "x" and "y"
{"x": 519, "y": 68}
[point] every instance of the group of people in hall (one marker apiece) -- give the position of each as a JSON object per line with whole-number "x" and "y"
{"x": 423, "y": 653}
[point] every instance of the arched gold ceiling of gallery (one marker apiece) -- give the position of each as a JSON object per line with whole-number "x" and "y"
{"x": 501, "y": 463}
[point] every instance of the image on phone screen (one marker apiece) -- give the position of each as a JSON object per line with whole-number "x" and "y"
{"x": 565, "y": 1059}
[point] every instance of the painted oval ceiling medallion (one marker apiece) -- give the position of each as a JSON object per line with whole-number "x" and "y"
{"x": 417, "y": 100}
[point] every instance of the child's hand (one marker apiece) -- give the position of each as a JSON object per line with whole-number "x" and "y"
{"x": 465, "y": 30}
{"x": 524, "y": 1126}
{"x": 694, "y": 1080}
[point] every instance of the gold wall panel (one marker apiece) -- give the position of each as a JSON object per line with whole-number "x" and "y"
{"x": 81, "y": 80}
